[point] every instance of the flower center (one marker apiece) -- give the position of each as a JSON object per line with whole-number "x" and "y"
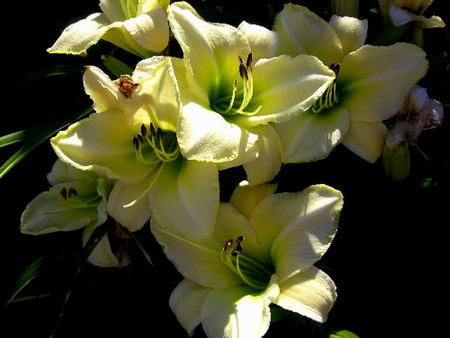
{"x": 241, "y": 93}
{"x": 152, "y": 145}
{"x": 252, "y": 272}
{"x": 129, "y": 8}
{"x": 331, "y": 95}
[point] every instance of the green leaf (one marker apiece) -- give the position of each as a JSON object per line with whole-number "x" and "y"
{"x": 337, "y": 333}
{"x": 33, "y": 138}
{"x": 27, "y": 276}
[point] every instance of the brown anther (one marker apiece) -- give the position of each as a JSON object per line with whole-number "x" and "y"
{"x": 63, "y": 193}
{"x": 243, "y": 71}
{"x": 126, "y": 85}
{"x": 143, "y": 130}
{"x": 136, "y": 143}
{"x": 140, "y": 138}
{"x": 248, "y": 63}
{"x": 152, "y": 130}
{"x": 159, "y": 135}
{"x": 228, "y": 244}
{"x": 72, "y": 192}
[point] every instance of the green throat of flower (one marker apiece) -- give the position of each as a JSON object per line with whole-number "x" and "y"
{"x": 152, "y": 145}
{"x": 241, "y": 94}
{"x": 331, "y": 96}
{"x": 252, "y": 272}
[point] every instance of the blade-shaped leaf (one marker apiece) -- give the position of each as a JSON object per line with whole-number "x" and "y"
{"x": 27, "y": 276}
{"x": 33, "y": 138}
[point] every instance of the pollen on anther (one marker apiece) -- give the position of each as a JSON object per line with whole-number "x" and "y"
{"x": 228, "y": 244}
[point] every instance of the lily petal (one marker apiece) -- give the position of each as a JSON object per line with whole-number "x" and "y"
{"x": 237, "y": 312}
{"x": 210, "y": 50}
{"x": 246, "y": 197}
{"x": 311, "y": 136}
{"x": 310, "y": 293}
{"x": 299, "y": 31}
{"x": 286, "y": 86}
{"x": 366, "y": 139}
{"x": 158, "y": 94}
{"x": 287, "y": 230}
{"x": 133, "y": 216}
{"x": 79, "y": 36}
{"x": 150, "y": 30}
{"x": 199, "y": 260}
{"x": 352, "y": 32}
{"x": 102, "y": 255}
{"x": 214, "y": 139}
{"x": 375, "y": 80}
{"x": 185, "y": 197}
{"x": 268, "y": 163}
{"x": 263, "y": 42}
{"x": 188, "y": 292}
{"x": 102, "y": 90}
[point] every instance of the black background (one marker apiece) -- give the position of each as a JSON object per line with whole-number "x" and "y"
{"x": 390, "y": 259}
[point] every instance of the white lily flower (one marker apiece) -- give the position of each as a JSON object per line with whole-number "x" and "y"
{"x": 132, "y": 139}
{"x": 261, "y": 251}
{"x": 371, "y": 85}
{"x": 230, "y": 93}
{"x": 76, "y": 200}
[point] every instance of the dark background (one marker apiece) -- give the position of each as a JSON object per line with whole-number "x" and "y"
{"x": 390, "y": 259}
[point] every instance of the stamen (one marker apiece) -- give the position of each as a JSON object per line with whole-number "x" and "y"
{"x": 250, "y": 271}
{"x": 154, "y": 137}
{"x": 331, "y": 96}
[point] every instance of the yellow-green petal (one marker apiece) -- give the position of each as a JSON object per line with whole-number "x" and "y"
{"x": 311, "y": 136}
{"x": 310, "y": 293}
{"x": 366, "y": 139}
{"x": 351, "y": 32}
{"x": 375, "y": 80}
{"x": 303, "y": 32}
{"x": 185, "y": 197}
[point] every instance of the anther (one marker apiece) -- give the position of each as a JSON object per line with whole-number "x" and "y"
{"x": 63, "y": 193}
{"x": 140, "y": 138}
{"x": 152, "y": 130}
{"x": 159, "y": 135}
{"x": 243, "y": 71}
{"x": 248, "y": 63}
{"x": 136, "y": 143}
{"x": 143, "y": 130}
{"x": 228, "y": 245}
{"x": 72, "y": 192}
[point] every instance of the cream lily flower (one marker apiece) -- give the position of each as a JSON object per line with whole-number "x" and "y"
{"x": 401, "y": 12}
{"x": 261, "y": 252}
{"x": 132, "y": 140}
{"x": 138, "y": 26}
{"x": 77, "y": 199}
{"x": 371, "y": 85}
{"x": 230, "y": 94}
